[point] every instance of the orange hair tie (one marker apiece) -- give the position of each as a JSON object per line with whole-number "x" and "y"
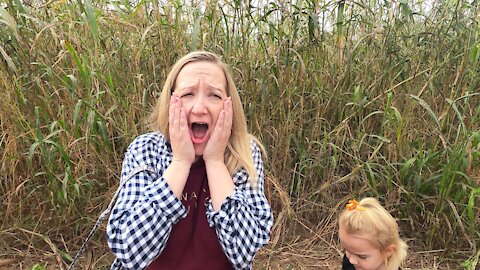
{"x": 353, "y": 204}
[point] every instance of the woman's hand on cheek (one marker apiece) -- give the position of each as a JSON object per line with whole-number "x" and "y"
{"x": 182, "y": 145}
{"x": 216, "y": 145}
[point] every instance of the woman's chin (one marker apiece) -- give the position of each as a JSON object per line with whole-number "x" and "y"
{"x": 199, "y": 149}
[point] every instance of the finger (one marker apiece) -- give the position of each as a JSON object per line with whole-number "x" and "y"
{"x": 229, "y": 111}
{"x": 176, "y": 119}
{"x": 221, "y": 120}
{"x": 217, "y": 130}
{"x": 171, "y": 114}
{"x": 183, "y": 125}
{"x": 228, "y": 117}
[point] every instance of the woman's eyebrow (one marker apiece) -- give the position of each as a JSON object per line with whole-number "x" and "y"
{"x": 213, "y": 87}
{"x": 186, "y": 86}
{"x": 194, "y": 86}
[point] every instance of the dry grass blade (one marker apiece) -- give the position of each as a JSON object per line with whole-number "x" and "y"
{"x": 59, "y": 255}
{"x": 8, "y": 59}
{"x": 6, "y": 262}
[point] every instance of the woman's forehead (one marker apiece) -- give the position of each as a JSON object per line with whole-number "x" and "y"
{"x": 201, "y": 67}
{"x": 206, "y": 72}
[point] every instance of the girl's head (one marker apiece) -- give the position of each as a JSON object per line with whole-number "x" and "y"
{"x": 216, "y": 80}
{"x": 369, "y": 235}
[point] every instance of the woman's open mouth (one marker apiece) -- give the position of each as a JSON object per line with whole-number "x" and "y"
{"x": 199, "y": 132}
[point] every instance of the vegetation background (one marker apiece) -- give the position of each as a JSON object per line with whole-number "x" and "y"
{"x": 351, "y": 99}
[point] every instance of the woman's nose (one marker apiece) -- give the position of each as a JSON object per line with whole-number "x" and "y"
{"x": 199, "y": 106}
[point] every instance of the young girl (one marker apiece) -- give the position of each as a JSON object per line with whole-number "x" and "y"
{"x": 369, "y": 235}
{"x": 192, "y": 192}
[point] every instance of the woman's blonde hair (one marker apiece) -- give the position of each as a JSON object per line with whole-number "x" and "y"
{"x": 238, "y": 153}
{"x": 371, "y": 221}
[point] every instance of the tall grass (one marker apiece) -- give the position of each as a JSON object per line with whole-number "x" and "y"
{"x": 365, "y": 98}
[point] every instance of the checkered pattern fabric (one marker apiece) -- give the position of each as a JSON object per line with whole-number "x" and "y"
{"x": 146, "y": 209}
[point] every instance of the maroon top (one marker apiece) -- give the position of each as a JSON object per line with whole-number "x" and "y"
{"x": 192, "y": 243}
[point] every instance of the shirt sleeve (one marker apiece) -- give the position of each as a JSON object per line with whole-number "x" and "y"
{"x": 146, "y": 208}
{"x": 245, "y": 219}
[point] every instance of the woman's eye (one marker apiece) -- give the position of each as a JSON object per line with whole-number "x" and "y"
{"x": 216, "y": 96}
{"x": 186, "y": 95}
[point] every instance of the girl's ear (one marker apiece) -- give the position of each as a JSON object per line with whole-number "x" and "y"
{"x": 390, "y": 250}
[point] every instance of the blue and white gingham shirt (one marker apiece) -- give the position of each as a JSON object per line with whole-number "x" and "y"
{"x": 146, "y": 209}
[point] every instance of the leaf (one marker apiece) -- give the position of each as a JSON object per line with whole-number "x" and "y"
{"x": 457, "y": 113}
{"x": 7, "y": 19}
{"x": 20, "y": 6}
{"x": 471, "y": 206}
{"x": 475, "y": 53}
{"x": 425, "y": 105}
{"x": 76, "y": 117}
{"x": 65, "y": 256}
{"x": 92, "y": 20}
{"x": 9, "y": 61}
{"x": 37, "y": 267}
{"x": 196, "y": 30}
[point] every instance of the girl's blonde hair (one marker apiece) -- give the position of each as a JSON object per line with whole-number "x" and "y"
{"x": 372, "y": 222}
{"x": 238, "y": 153}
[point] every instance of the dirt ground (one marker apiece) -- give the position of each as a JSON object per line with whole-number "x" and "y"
{"x": 301, "y": 255}
{"x": 303, "y": 246}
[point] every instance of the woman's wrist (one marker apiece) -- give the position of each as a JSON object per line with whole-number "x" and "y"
{"x": 181, "y": 164}
{"x": 214, "y": 162}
